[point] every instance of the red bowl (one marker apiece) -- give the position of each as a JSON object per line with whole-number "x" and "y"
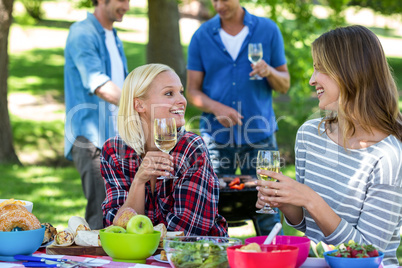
{"x": 273, "y": 256}
{"x": 303, "y": 243}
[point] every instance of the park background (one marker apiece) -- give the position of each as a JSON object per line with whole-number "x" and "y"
{"x": 35, "y": 90}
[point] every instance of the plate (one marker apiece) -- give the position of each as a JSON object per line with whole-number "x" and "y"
{"x": 47, "y": 244}
{"x": 158, "y": 258}
{"x": 314, "y": 263}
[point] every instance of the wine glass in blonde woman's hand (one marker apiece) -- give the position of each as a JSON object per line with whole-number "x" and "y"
{"x": 165, "y": 134}
{"x": 267, "y": 160}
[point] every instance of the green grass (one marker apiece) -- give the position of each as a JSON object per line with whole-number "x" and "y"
{"x": 56, "y": 192}
{"x": 53, "y": 184}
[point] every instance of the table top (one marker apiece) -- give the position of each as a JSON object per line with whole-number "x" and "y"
{"x": 100, "y": 261}
{"x": 107, "y": 262}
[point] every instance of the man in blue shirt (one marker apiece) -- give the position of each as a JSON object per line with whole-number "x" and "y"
{"x": 238, "y": 117}
{"x": 94, "y": 72}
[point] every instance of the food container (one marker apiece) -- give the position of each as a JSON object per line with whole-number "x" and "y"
{"x": 20, "y": 243}
{"x": 129, "y": 247}
{"x": 272, "y": 256}
{"x": 341, "y": 262}
{"x": 195, "y": 251}
{"x": 28, "y": 204}
{"x": 303, "y": 243}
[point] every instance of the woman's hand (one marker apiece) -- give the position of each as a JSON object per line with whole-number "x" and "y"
{"x": 154, "y": 164}
{"x": 285, "y": 193}
{"x": 284, "y": 190}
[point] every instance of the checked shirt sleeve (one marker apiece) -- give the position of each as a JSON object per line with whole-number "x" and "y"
{"x": 197, "y": 194}
{"x": 116, "y": 177}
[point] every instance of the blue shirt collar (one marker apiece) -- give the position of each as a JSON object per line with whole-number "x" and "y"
{"x": 91, "y": 17}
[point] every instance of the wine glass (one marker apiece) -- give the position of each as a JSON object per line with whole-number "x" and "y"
{"x": 267, "y": 160}
{"x": 165, "y": 134}
{"x": 255, "y": 55}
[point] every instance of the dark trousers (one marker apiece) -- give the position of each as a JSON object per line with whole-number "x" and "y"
{"x": 86, "y": 160}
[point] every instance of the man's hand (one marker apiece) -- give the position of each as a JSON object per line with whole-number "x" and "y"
{"x": 227, "y": 116}
{"x": 261, "y": 68}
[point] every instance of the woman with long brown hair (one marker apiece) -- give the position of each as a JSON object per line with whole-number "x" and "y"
{"x": 349, "y": 163}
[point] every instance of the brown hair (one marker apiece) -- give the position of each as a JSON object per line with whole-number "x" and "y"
{"x": 354, "y": 58}
{"x": 95, "y": 2}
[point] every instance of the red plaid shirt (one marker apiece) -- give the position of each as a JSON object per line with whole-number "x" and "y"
{"x": 188, "y": 204}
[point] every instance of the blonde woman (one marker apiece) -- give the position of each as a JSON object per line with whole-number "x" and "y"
{"x": 131, "y": 162}
{"x": 348, "y": 164}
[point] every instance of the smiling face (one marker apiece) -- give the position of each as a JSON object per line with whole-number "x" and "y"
{"x": 327, "y": 90}
{"x": 164, "y": 99}
{"x": 226, "y": 8}
{"x": 115, "y": 9}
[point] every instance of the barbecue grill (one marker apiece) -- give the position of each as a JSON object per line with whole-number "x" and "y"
{"x": 237, "y": 206}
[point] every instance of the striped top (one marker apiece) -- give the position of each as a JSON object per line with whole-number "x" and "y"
{"x": 362, "y": 186}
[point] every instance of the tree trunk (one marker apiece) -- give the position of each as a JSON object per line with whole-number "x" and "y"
{"x": 164, "y": 36}
{"x": 7, "y": 153}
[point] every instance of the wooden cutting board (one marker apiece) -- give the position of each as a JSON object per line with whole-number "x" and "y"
{"x": 75, "y": 250}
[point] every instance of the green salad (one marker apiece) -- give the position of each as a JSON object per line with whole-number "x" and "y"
{"x": 202, "y": 253}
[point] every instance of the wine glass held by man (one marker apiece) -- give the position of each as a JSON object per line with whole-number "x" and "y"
{"x": 349, "y": 163}
{"x": 131, "y": 162}
{"x": 255, "y": 55}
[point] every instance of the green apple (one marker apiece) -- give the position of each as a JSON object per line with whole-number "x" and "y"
{"x": 115, "y": 229}
{"x": 140, "y": 224}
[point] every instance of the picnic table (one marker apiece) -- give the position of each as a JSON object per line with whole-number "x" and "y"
{"x": 100, "y": 261}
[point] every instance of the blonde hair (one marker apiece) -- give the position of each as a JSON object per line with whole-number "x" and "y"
{"x": 136, "y": 85}
{"x": 354, "y": 58}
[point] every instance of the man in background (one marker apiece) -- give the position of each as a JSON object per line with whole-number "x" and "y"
{"x": 94, "y": 72}
{"x": 238, "y": 117}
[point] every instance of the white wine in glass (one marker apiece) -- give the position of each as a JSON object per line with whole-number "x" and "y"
{"x": 267, "y": 160}
{"x": 165, "y": 134}
{"x": 255, "y": 55}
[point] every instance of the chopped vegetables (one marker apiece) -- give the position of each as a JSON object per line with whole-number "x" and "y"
{"x": 202, "y": 253}
{"x": 355, "y": 250}
{"x": 235, "y": 181}
{"x": 236, "y": 184}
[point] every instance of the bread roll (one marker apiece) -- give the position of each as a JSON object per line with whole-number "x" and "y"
{"x": 17, "y": 216}
{"x": 123, "y": 216}
{"x": 161, "y": 228}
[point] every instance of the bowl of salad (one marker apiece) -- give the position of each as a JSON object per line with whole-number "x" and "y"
{"x": 196, "y": 251}
{"x": 354, "y": 255}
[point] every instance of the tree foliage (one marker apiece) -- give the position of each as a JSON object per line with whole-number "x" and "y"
{"x": 385, "y": 7}
{"x": 33, "y": 8}
{"x": 300, "y": 28}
